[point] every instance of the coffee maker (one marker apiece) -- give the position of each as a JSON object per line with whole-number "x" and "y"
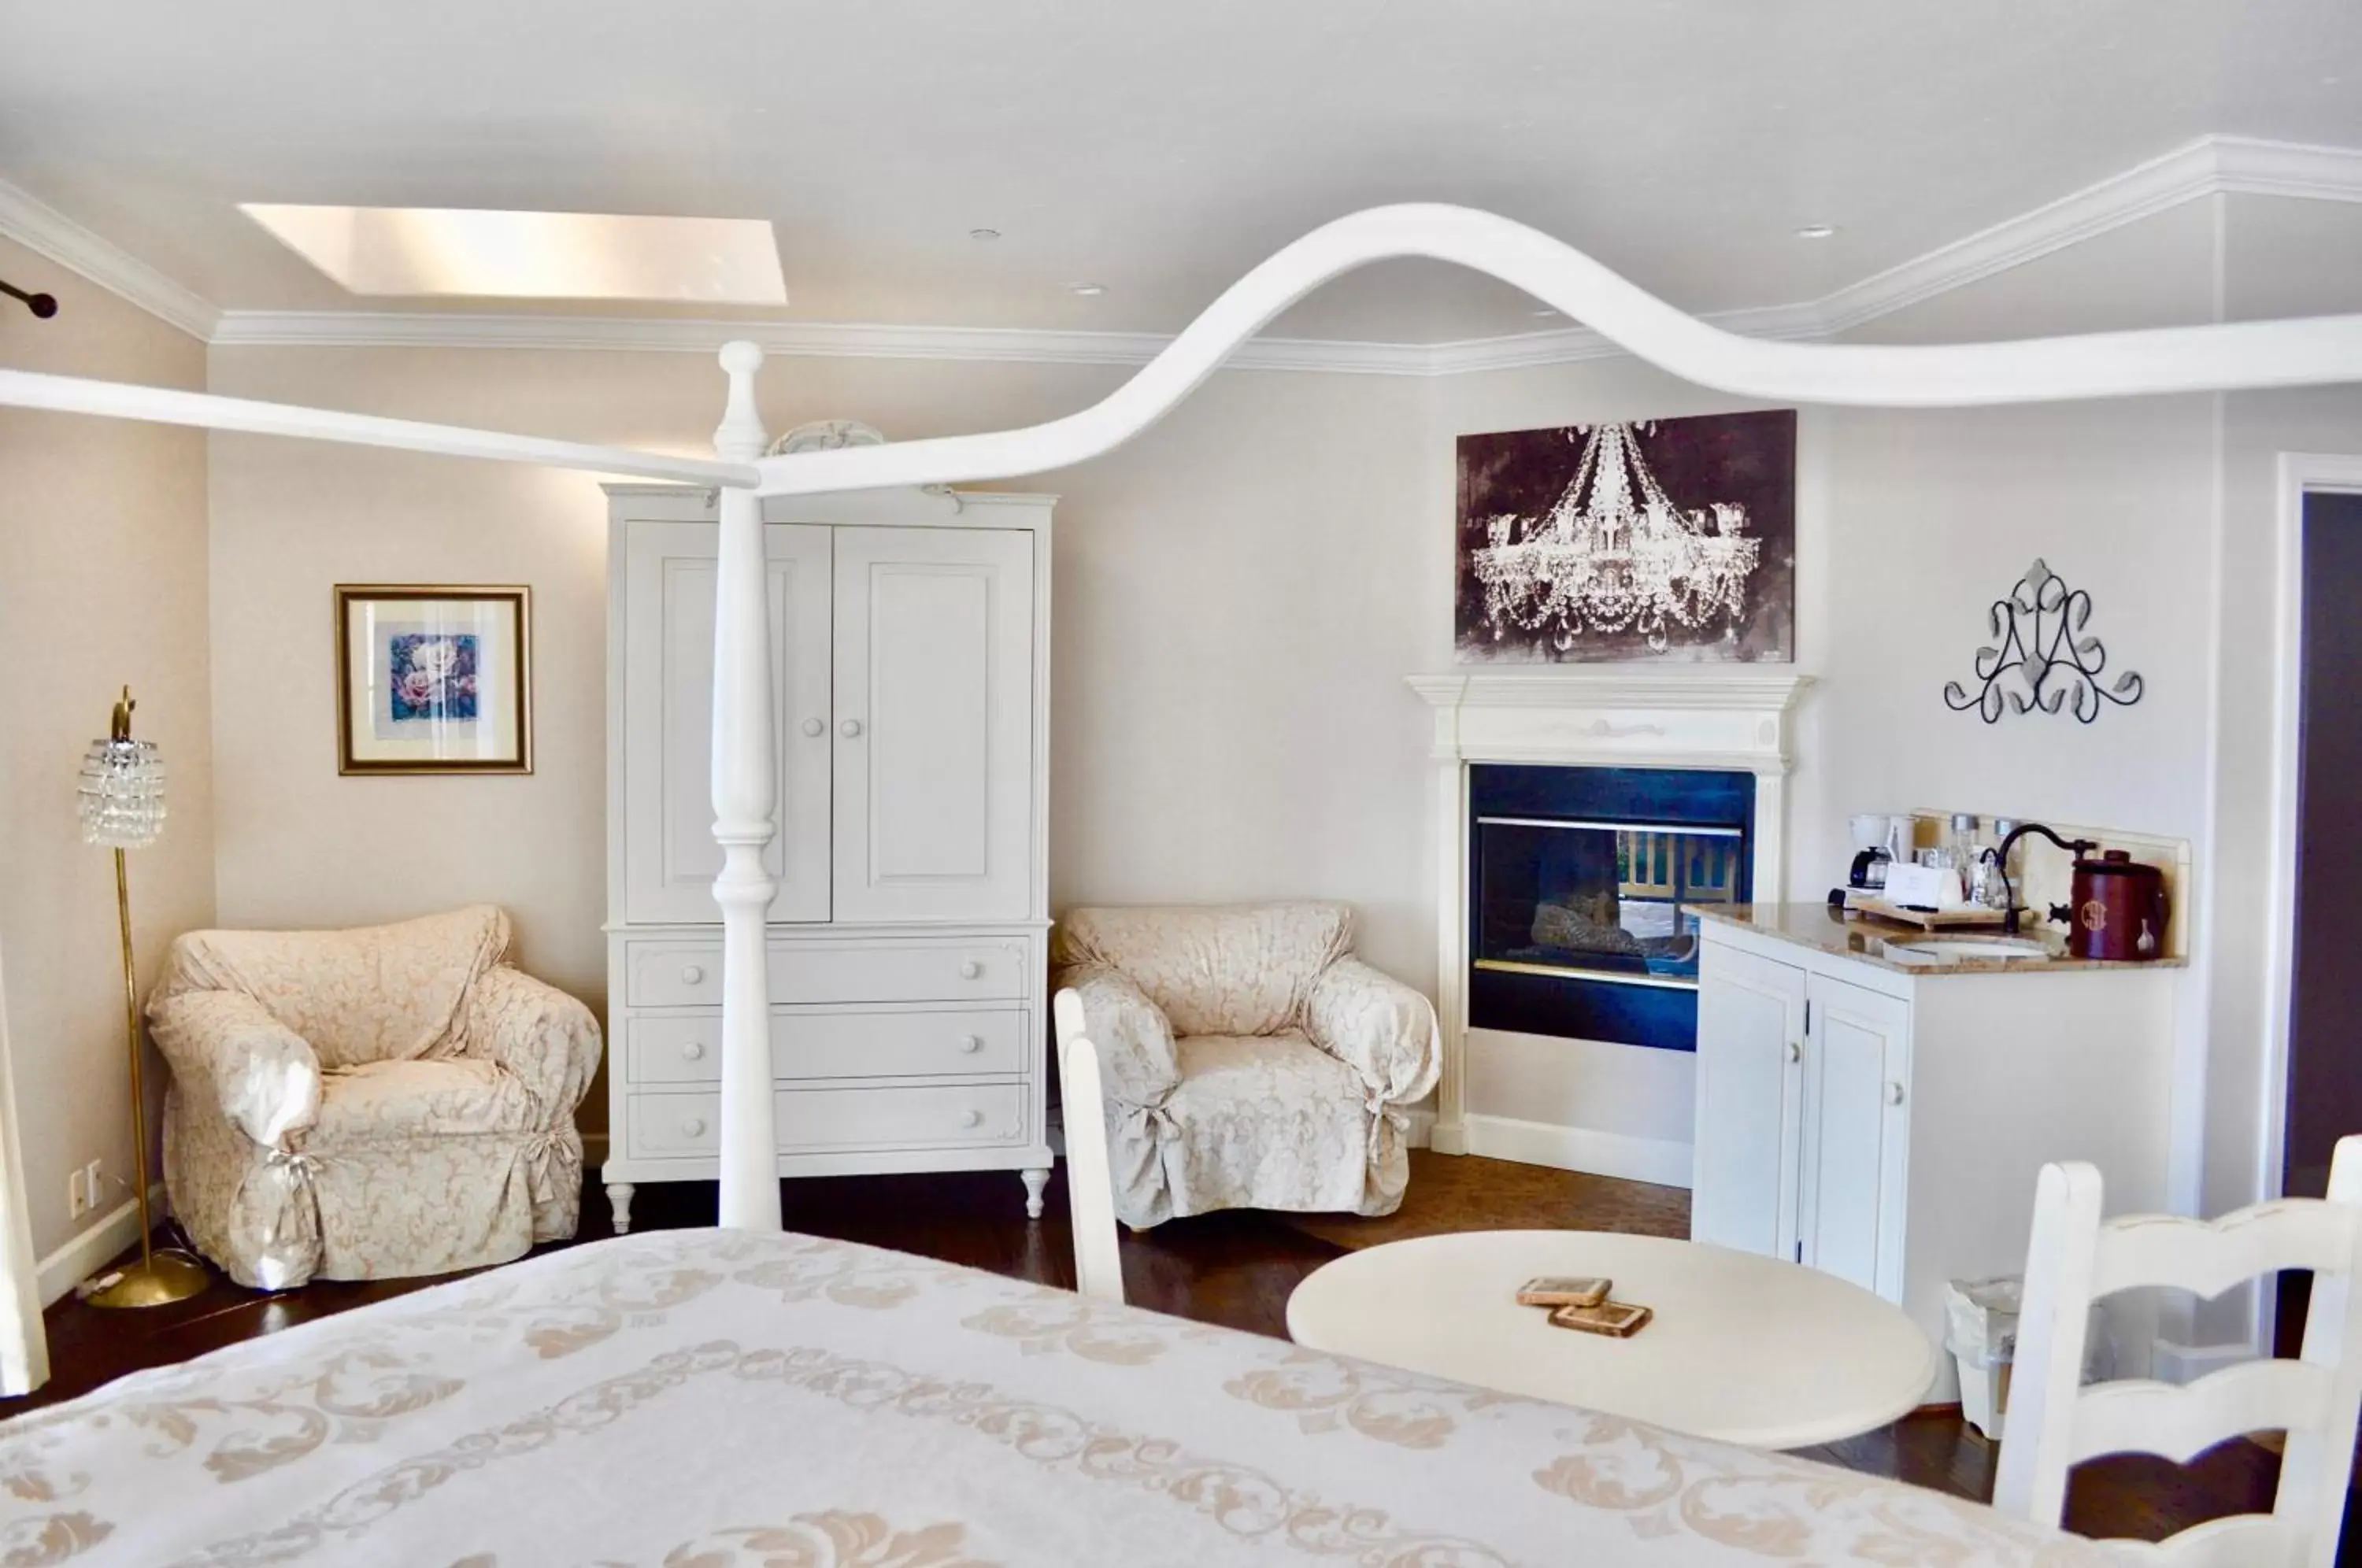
{"x": 1876, "y": 839}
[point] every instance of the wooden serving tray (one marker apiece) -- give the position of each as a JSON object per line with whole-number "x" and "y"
{"x": 1933, "y": 920}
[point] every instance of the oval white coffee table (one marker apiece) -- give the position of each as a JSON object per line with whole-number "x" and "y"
{"x": 1746, "y": 1348}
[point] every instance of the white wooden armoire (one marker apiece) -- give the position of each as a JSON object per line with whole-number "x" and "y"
{"x": 906, "y": 945}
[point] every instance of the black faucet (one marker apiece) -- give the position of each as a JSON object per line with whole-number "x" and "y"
{"x": 2076, "y": 847}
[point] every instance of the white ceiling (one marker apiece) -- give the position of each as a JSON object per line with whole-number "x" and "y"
{"x": 1157, "y": 147}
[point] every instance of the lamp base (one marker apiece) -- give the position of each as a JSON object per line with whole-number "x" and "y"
{"x": 163, "y": 1279}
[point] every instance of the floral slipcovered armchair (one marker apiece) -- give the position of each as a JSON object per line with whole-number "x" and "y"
{"x": 369, "y": 1104}
{"x": 1251, "y": 1060}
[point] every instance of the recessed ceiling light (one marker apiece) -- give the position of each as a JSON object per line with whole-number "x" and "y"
{"x": 1816, "y": 231}
{"x": 1087, "y": 290}
{"x": 524, "y": 255}
{"x": 1545, "y": 311}
{"x": 984, "y": 234}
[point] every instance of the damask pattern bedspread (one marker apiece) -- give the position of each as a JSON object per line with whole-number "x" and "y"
{"x": 717, "y": 1399}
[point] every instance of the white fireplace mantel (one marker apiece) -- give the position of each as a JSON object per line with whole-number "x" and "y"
{"x": 1600, "y": 717}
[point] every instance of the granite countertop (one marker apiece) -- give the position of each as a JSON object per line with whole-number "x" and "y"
{"x": 1866, "y": 938}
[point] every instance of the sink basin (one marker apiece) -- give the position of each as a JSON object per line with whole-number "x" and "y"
{"x": 1966, "y": 950}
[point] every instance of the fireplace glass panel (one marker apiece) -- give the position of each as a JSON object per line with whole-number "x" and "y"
{"x": 1605, "y": 900}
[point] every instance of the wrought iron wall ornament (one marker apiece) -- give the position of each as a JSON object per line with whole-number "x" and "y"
{"x": 2040, "y": 627}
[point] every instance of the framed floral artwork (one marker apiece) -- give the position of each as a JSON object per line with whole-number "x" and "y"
{"x": 432, "y": 679}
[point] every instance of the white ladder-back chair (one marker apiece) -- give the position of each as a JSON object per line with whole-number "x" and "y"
{"x": 1090, "y": 1194}
{"x": 2076, "y": 1257}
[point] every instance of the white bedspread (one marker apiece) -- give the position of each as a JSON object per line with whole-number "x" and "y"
{"x": 709, "y": 1399}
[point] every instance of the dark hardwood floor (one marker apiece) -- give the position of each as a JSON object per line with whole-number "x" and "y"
{"x": 1233, "y": 1269}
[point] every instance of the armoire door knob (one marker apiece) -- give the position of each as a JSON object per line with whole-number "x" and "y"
{"x": 849, "y": 728}
{"x": 694, "y": 1050}
{"x": 1795, "y": 1050}
{"x": 971, "y": 1118}
{"x": 970, "y": 969}
{"x": 815, "y": 727}
{"x": 1894, "y": 1094}
{"x": 691, "y": 975}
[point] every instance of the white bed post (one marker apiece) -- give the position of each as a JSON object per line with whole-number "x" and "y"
{"x": 744, "y": 787}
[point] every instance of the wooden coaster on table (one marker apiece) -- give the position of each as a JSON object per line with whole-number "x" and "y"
{"x": 1617, "y": 1320}
{"x": 1565, "y": 1290}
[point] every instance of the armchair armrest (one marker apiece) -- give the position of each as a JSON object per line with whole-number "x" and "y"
{"x": 227, "y": 1052}
{"x": 1379, "y": 1027}
{"x": 549, "y": 1039}
{"x": 1133, "y": 1036}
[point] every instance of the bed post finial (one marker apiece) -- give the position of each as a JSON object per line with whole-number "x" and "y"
{"x": 741, "y": 434}
{"x": 744, "y": 787}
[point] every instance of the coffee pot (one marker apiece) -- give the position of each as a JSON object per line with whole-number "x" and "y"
{"x": 2118, "y": 911}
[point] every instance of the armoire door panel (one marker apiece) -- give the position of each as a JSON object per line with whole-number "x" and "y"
{"x": 672, "y": 858}
{"x": 935, "y": 685}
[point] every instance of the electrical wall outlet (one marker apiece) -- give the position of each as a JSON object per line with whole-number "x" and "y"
{"x": 85, "y": 1189}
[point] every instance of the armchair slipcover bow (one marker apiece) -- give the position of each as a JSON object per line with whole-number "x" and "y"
{"x": 369, "y": 1104}
{"x": 1250, "y": 1060}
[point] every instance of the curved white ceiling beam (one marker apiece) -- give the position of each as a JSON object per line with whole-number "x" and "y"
{"x": 2225, "y": 357}
{"x": 163, "y": 405}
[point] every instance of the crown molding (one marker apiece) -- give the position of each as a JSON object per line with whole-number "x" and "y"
{"x": 2219, "y": 165}
{"x": 843, "y": 340}
{"x": 2211, "y": 166}
{"x": 44, "y": 230}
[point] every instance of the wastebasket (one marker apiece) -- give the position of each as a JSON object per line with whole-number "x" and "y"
{"x": 1981, "y": 1330}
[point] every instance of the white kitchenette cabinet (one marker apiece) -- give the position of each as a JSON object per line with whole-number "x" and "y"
{"x": 1883, "y": 1120}
{"x": 906, "y": 942}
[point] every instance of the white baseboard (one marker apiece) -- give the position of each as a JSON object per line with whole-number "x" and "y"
{"x": 1657, "y": 1160}
{"x": 58, "y": 1273}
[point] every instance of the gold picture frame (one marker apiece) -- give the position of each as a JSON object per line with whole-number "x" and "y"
{"x": 434, "y": 678}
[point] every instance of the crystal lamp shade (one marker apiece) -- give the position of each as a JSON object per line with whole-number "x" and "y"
{"x": 121, "y": 795}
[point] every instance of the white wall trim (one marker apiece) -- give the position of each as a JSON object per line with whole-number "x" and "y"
{"x": 86, "y": 1253}
{"x": 2209, "y": 166}
{"x": 45, "y": 231}
{"x": 2300, "y": 473}
{"x": 1658, "y": 1160}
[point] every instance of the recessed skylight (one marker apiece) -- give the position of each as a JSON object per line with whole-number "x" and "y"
{"x": 512, "y": 255}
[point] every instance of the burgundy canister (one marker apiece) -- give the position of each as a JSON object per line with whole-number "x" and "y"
{"x": 2120, "y": 909}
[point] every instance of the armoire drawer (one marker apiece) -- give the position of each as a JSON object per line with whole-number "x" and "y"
{"x": 686, "y": 1048}
{"x": 667, "y": 1126}
{"x": 687, "y": 972}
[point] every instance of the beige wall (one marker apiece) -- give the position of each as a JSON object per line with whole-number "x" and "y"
{"x": 101, "y": 582}
{"x": 1237, "y": 596}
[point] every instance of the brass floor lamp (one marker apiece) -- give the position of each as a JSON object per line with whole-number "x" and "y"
{"x": 121, "y": 797}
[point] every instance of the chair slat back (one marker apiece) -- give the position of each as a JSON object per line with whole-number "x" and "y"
{"x": 1090, "y": 1192}
{"x": 2076, "y": 1257}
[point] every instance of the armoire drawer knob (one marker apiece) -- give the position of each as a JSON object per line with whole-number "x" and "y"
{"x": 694, "y": 1050}
{"x": 1894, "y": 1094}
{"x": 971, "y": 1043}
{"x": 693, "y": 1127}
{"x": 849, "y": 728}
{"x": 971, "y": 1118}
{"x": 970, "y": 969}
{"x": 691, "y": 974}
{"x": 815, "y": 727}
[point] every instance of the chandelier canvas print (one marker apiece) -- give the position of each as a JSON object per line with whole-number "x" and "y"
{"x": 1671, "y": 539}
